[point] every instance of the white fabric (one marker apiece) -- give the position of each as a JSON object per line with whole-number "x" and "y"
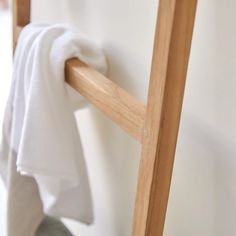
{"x": 43, "y": 131}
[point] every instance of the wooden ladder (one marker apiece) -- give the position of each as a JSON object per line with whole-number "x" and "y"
{"x": 154, "y": 125}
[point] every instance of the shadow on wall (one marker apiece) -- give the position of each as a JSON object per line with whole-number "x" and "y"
{"x": 217, "y": 173}
{"x": 225, "y": 87}
{"x": 203, "y": 192}
{"x": 121, "y": 163}
{"x": 203, "y": 186}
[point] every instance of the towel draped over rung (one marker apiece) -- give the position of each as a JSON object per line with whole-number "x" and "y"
{"x": 154, "y": 125}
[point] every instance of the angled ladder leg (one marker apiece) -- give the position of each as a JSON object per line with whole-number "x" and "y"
{"x": 169, "y": 66}
{"x": 21, "y": 17}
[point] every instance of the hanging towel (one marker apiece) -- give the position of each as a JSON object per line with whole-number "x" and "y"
{"x": 40, "y": 137}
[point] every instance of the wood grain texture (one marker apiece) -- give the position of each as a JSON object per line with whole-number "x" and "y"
{"x": 166, "y": 89}
{"x": 114, "y": 101}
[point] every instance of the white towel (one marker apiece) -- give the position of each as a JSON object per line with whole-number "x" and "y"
{"x": 40, "y": 121}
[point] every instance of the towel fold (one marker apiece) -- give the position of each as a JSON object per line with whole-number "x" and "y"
{"x": 40, "y": 131}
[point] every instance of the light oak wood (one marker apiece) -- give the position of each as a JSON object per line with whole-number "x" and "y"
{"x": 23, "y": 12}
{"x": 155, "y": 126}
{"x": 114, "y": 101}
{"x": 21, "y": 17}
{"x": 166, "y": 89}
{"x": 14, "y": 23}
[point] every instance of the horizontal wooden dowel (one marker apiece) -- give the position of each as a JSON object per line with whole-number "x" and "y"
{"x": 114, "y": 101}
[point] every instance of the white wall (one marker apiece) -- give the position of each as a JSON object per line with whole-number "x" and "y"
{"x": 203, "y": 193}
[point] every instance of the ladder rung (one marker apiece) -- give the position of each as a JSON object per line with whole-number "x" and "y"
{"x": 114, "y": 101}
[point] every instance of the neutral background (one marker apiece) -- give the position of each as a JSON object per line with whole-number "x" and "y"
{"x": 203, "y": 192}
